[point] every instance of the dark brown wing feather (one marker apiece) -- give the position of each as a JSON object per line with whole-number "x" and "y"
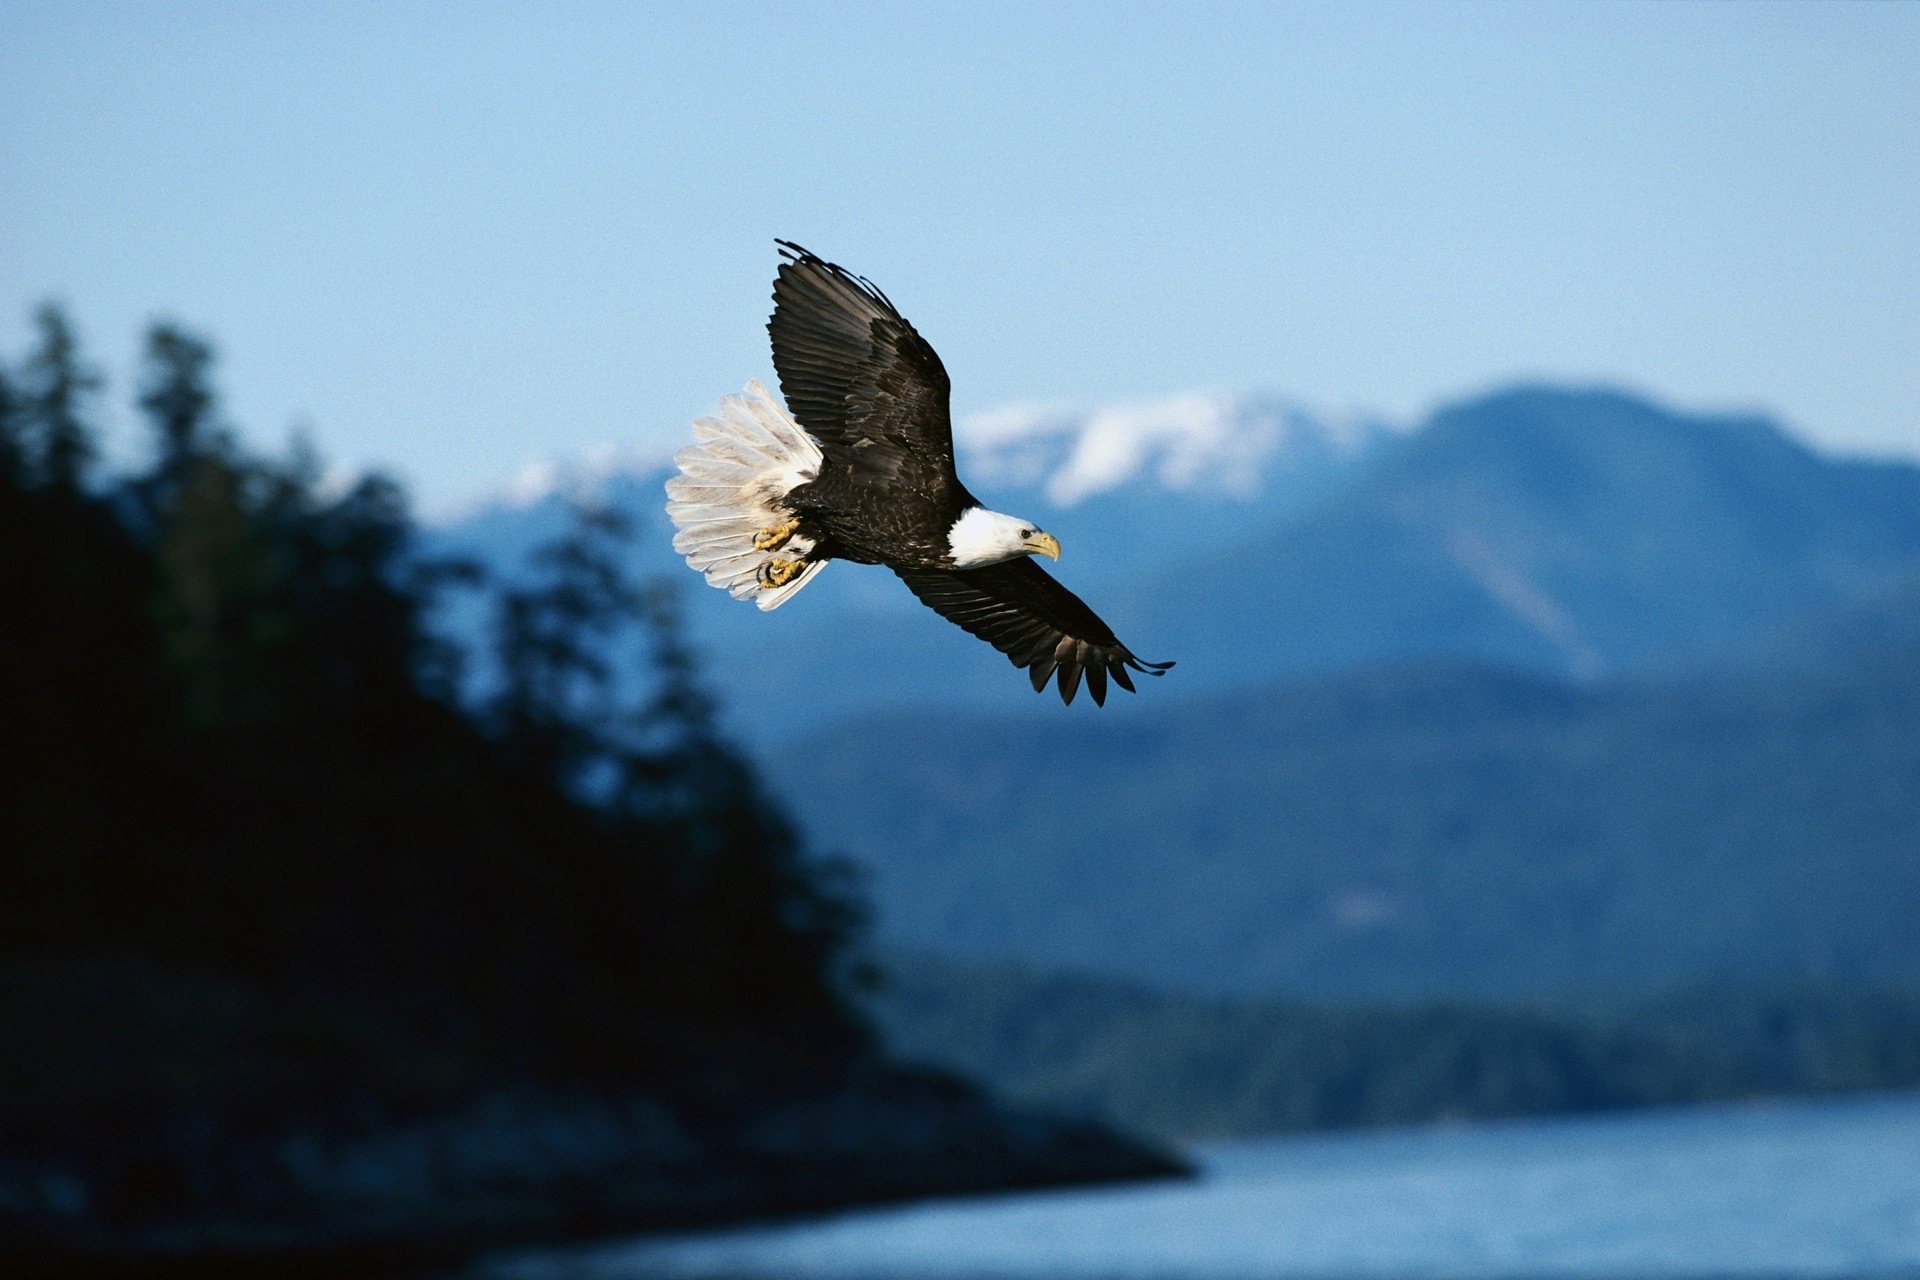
{"x": 1019, "y": 609}
{"x": 857, "y": 376}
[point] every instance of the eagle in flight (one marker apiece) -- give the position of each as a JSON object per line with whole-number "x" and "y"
{"x": 866, "y": 474}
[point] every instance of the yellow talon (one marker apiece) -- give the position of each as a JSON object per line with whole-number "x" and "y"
{"x": 776, "y": 537}
{"x": 778, "y": 573}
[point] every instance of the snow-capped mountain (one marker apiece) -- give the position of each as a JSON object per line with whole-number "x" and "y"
{"x": 1134, "y": 491}
{"x": 1211, "y": 444}
{"x": 1576, "y": 532}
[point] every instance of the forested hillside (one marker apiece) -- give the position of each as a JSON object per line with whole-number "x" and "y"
{"x": 1424, "y": 830}
{"x": 297, "y": 954}
{"x": 236, "y": 755}
{"x": 1192, "y": 1066}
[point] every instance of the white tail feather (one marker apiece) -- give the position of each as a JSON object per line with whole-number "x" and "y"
{"x": 743, "y": 461}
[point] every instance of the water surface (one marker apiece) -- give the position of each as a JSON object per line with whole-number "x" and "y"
{"x": 1801, "y": 1189}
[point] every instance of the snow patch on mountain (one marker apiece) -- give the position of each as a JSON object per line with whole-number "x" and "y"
{"x": 1201, "y": 441}
{"x": 1209, "y": 443}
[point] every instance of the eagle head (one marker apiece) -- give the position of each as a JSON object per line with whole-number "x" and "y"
{"x": 981, "y": 537}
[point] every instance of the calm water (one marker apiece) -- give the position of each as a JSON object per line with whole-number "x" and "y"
{"x": 1799, "y": 1189}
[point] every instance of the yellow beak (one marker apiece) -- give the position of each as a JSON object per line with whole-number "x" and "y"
{"x": 1044, "y": 544}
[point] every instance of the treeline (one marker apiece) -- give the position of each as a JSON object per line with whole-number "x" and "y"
{"x": 1191, "y": 1067}
{"x": 254, "y": 854}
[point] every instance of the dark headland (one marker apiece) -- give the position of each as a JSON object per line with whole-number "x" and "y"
{"x": 328, "y": 947}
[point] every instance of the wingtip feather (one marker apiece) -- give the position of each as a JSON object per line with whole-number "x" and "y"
{"x": 1069, "y": 681}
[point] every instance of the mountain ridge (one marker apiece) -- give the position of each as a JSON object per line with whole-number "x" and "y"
{"x": 1570, "y": 531}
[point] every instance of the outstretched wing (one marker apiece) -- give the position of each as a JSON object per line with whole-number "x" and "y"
{"x": 1019, "y": 609}
{"x": 858, "y": 377}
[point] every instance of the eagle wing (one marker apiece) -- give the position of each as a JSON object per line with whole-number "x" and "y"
{"x": 858, "y": 377}
{"x": 1018, "y": 608}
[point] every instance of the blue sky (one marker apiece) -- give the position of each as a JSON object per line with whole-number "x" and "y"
{"x": 454, "y": 239}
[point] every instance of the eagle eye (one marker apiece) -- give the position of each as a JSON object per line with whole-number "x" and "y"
{"x": 1026, "y": 533}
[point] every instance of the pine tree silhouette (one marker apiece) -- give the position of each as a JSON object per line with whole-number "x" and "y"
{"x": 243, "y": 758}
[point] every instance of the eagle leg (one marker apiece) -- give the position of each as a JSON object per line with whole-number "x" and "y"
{"x": 775, "y": 538}
{"x": 778, "y": 573}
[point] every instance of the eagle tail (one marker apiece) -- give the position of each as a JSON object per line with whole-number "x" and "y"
{"x": 743, "y": 462}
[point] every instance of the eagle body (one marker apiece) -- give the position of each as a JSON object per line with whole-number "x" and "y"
{"x": 850, "y": 519}
{"x": 887, "y": 492}
{"x": 859, "y": 467}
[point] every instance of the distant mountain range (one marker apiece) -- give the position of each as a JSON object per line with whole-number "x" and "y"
{"x": 1560, "y": 531}
{"x": 1559, "y": 690}
{"x": 1566, "y": 532}
{"x": 1132, "y": 490}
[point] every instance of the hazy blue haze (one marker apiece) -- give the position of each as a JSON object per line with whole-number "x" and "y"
{"x": 1810, "y": 1189}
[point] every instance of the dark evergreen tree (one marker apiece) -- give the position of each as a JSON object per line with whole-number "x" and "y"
{"x": 176, "y": 395}
{"x": 740, "y": 929}
{"x": 244, "y": 761}
{"x": 77, "y": 693}
{"x": 557, "y": 712}
{"x": 58, "y": 387}
{"x": 13, "y": 458}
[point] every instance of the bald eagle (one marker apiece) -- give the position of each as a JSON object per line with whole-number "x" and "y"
{"x": 866, "y": 474}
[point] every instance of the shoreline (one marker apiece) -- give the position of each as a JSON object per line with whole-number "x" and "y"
{"x": 539, "y": 1168}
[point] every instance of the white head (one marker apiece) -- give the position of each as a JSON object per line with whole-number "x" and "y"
{"x": 981, "y": 537}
